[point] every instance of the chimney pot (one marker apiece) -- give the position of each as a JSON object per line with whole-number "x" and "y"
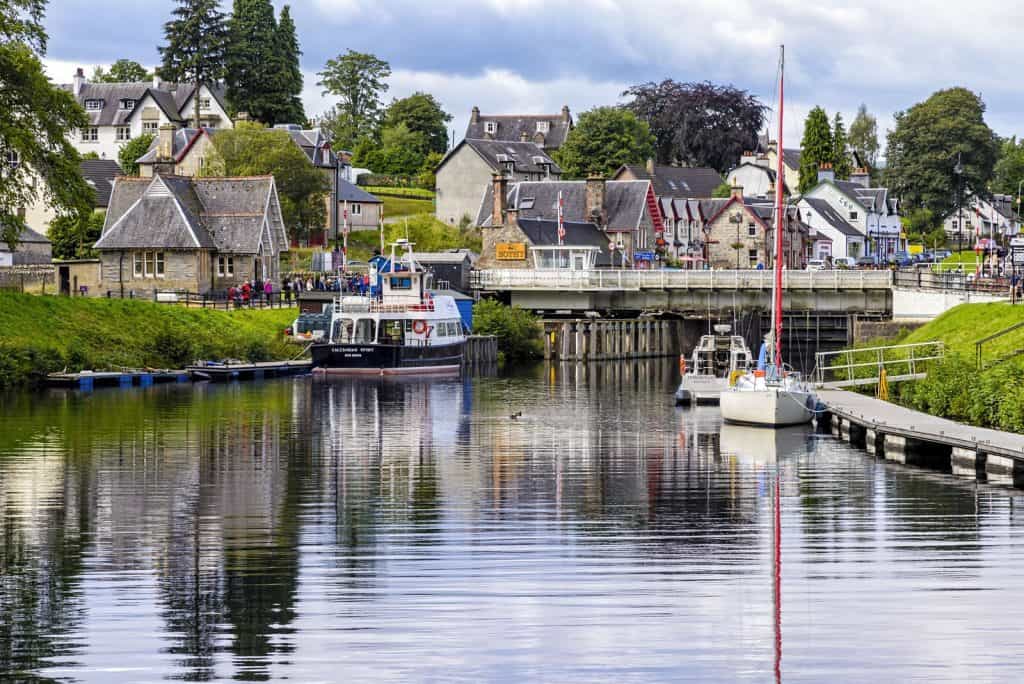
{"x": 650, "y": 167}
{"x": 78, "y": 80}
{"x": 565, "y": 113}
{"x": 826, "y": 173}
{"x": 474, "y": 115}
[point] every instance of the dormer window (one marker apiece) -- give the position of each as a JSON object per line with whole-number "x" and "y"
{"x": 491, "y": 126}
{"x": 93, "y": 105}
{"x": 543, "y": 126}
{"x": 127, "y": 104}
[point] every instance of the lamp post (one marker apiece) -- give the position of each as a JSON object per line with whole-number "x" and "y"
{"x": 959, "y": 171}
{"x": 737, "y": 218}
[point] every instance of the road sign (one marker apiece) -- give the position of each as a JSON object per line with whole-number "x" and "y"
{"x": 1017, "y": 254}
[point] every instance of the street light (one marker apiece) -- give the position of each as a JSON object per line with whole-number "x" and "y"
{"x": 959, "y": 171}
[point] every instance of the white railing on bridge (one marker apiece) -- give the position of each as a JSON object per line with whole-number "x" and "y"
{"x": 614, "y": 279}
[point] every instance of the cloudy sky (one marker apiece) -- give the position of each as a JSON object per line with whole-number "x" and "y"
{"x": 531, "y": 56}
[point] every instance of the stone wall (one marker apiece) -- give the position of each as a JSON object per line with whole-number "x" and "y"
{"x": 182, "y": 271}
{"x": 500, "y": 234}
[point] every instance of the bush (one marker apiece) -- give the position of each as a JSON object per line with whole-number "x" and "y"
{"x": 518, "y": 331}
{"x": 173, "y": 350}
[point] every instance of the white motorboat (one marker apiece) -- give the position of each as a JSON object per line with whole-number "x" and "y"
{"x": 716, "y": 361}
{"x": 772, "y": 395}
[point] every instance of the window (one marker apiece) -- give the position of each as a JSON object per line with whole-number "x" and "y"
{"x": 138, "y": 264}
{"x": 149, "y": 264}
{"x": 12, "y": 159}
{"x": 204, "y": 103}
{"x": 365, "y": 331}
{"x": 90, "y": 134}
{"x": 543, "y": 126}
{"x": 357, "y": 210}
{"x": 159, "y": 264}
{"x": 127, "y": 104}
{"x": 853, "y": 216}
{"x": 124, "y": 133}
{"x": 491, "y": 127}
{"x": 93, "y": 105}
{"x": 400, "y": 283}
{"x": 225, "y": 266}
{"x": 150, "y": 126}
{"x": 752, "y": 256}
{"x": 751, "y": 230}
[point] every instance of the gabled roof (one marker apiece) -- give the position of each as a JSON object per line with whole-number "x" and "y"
{"x": 544, "y": 232}
{"x": 26, "y": 236}
{"x": 350, "y": 192}
{"x": 111, "y": 113}
{"x": 512, "y": 127}
{"x": 527, "y": 156}
{"x": 183, "y": 94}
{"x": 677, "y": 181}
{"x": 832, "y": 217}
{"x": 625, "y": 201}
{"x": 791, "y": 158}
{"x": 314, "y": 143}
{"x": 181, "y": 143}
{"x": 100, "y": 175}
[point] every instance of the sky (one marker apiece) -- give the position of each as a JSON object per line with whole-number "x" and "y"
{"x": 533, "y": 56}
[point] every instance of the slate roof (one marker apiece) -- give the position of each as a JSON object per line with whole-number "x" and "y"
{"x": 511, "y": 127}
{"x": 100, "y": 175}
{"x": 1003, "y": 204}
{"x": 791, "y": 158}
{"x": 832, "y": 217}
{"x": 677, "y": 181}
{"x": 171, "y": 212}
{"x": 872, "y": 199}
{"x": 183, "y": 137}
{"x": 350, "y": 192}
{"x": 26, "y": 236}
{"x": 521, "y": 153}
{"x": 314, "y": 143}
{"x": 624, "y": 204}
{"x": 171, "y": 97}
{"x": 544, "y": 232}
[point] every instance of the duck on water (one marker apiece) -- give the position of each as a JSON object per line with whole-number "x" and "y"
{"x": 400, "y": 329}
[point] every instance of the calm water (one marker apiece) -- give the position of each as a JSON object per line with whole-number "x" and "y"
{"x": 360, "y": 532}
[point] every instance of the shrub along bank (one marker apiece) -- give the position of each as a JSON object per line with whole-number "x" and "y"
{"x": 40, "y": 335}
{"x": 518, "y": 331}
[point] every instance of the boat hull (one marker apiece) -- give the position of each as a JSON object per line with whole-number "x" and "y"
{"x": 700, "y": 389}
{"x": 772, "y": 406}
{"x": 385, "y": 359}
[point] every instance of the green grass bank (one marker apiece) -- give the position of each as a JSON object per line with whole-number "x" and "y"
{"x": 43, "y": 334}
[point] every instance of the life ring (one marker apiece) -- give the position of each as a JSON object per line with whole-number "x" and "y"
{"x": 682, "y": 365}
{"x": 419, "y": 327}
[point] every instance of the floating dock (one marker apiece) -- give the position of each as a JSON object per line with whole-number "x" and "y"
{"x": 903, "y": 435}
{"x": 224, "y": 372}
{"x": 125, "y": 378}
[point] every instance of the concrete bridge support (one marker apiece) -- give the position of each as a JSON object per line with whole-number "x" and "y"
{"x": 601, "y": 340}
{"x": 1004, "y": 470}
{"x": 969, "y": 463}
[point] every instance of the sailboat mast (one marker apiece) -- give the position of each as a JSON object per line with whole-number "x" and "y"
{"x": 779, "y": 222}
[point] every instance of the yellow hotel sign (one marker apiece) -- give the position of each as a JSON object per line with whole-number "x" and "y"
{"x": 510, "y": 251}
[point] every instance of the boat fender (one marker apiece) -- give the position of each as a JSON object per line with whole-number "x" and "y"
{"x": 682, "y": 365}
{"x": 734, "y": 376}
{"x": 419, "y": 327}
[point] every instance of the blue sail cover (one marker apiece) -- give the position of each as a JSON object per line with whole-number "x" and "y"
{"x": 762, "y": 357}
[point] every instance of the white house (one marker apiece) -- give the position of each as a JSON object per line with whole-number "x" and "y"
{"x": 869, "y": 210}
{"x": 993, "y": 217}
{"x": 844, "y": 239}
{"x": 119, "y": 112}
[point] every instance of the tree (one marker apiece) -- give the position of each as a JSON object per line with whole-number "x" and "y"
{"x": 922, "y": 151}
{"x": 864, "y": 137}
{"x": 121, "y": 71}
{"x": 72, "y": 237}
{"x": 698, "y": 124}
{"x": 816, "y": 148}
{"x": 1009, "y": 170}
{"x": 250, "y": 149}
{"x": 36, "y": 119}
{"x": 132, "y": 150}
{"x": 421, "y": 113}
{"x": 840, "y": 149}
{"x": 357, "y": 79}
{"x": 291, "y": 74}
{"x": 604, "y": 139}
{"x": 196, "y": 44}
{"x": 722, "y": 191}
{"x": 427, "y": 178}
{"x": 401, "y": 152}
{"x": 256, "y": 73}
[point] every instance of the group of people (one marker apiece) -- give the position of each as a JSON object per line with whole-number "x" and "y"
{"x": 354, "y": 283}
{"x": 249, "y": 291}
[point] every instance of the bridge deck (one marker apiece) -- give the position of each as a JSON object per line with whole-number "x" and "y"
{"x": 625, "y": 279}
{"x": 893, "y": 419}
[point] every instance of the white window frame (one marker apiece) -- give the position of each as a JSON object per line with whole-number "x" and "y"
{"x": 93, "y": 105}
{"x": 543, "y": 126}
{"x": 161, "y": 265}
{"x": 12, "y": 159}
{"x": 91, "y": 134}
{"x": 150, "y": 126}
{"x": 751, "y": 230}
{"x": 357, "y": 209}
{"x": 225, "y": 266}
{"x": 204, "y": 103}
{"x": 124, "y": 133}
{"x": 148, "y": 262}
{"x": 137, "y": 258}
{"x": 490, "y": 127}
{"x": 127, "y": 104}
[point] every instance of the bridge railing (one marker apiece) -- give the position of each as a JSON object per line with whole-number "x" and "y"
{"x": 622, "y": 279}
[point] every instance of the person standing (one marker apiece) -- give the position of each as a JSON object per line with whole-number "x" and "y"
{"x": 268, "y": 290}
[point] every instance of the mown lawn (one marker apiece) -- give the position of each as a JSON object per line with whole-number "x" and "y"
{"x": 406, "y": 206}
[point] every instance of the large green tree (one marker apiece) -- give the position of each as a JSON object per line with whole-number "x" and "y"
{"x": 252, "y": 150}
{"x": 132, "y": 150}
{"x": 922, "y": 150}
{"x": 421, "y": 113}
{"x": 1009, "y": 170}
{"x": 400, "y": 153}
{"x": 288, "y": 52}
{"x": 840, "y": 149}
{"x": 252, "y": 63}
{"x": 121, "y": 71}
{"x": 196, "y": 44}
{"x": 864, "y": 137}
{"x": 604, "y": 139}
{"x": 72, "y": 237}
{"x": 358, "y": 81}
{"x": 816, "y": 148}
{"x": 36, "y": 119}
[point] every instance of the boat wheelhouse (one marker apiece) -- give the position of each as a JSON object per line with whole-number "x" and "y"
{"x": 400, "y": 328}
{"x": 716, "y": 361}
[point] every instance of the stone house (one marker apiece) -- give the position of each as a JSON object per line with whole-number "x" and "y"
{"x": 625, "y": 215}
{"x": 32, "y": 249}
{"x": 739, "y": 233}
{"x": 465, "y": 173}
{"x": 870, "y": 210}
{"x": 194, "y": 234}
{"x": 548, "y": 131}
{"x": 119, "y": 112}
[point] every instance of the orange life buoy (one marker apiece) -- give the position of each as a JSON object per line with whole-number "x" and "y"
{"x": 419, "y": 327}
{"x": 682, "y": 365}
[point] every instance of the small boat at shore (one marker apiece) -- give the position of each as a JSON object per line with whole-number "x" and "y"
{"x": 714, "y": 364}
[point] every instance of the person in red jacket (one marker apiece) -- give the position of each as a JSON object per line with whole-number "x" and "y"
{"x": 246, "y": 291}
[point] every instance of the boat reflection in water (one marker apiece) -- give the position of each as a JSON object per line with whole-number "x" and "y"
{"x": 762, "y": 445}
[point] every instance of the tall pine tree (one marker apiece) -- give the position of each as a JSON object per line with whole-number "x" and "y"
{"x": 840, "y": 152}
{"x": 253, "y": 63}
{"x": 815, "y": 148}
{"x": 196, "y": 43}
{"x": 291, "y": 75}
{"x": 864, "y": 137}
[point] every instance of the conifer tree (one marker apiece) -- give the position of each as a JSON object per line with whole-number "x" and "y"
{"x": 864, "y": 136}
{"x": 253, "y": 61}
{"x": 840, "y": 149}
{"x": 196, "y": 42}
{"x": 815, "y": 148}
{"x": 291, "y": 75}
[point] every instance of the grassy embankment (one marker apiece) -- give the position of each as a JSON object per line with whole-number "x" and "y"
{"x": 39, "y": 335}
{"x": 955, "y": 388}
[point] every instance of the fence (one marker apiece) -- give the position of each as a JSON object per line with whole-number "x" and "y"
{"x": 923, "y": 279}
{"x": 210, "y": 300}
{"x": 853, "y": 367}
{"x": 29, "y": 278}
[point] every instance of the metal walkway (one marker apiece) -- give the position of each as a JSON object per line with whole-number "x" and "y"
{"x": 863, "y": 367}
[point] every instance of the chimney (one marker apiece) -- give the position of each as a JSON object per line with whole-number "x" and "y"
{"x": 500, "y": 206}
{"x": 650, "y": 167}
{"x": 748, "y": 157}
{"x": 595, "y": 199}
{"x": 565, "y": 113}
{"x": 861, "y": 177}
{"x": 826, "y": 172}
{"x": 524, "y": 136}
{"x": 165, "y": 143}
{"x": 78, "y": 81}
{"x": 736, "y": 191}
{"x": 762, "y": 160}
{"x": 474, "y": 115}
{"x": 157, "y": 82}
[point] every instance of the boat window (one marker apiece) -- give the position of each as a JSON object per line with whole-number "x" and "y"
{"x": 365, "y": 331}
{"x": 401, "y": 283}
{"x": 391, "y": 332}
{"x": 342, "y": 330}
{"x": 408, "y": 325}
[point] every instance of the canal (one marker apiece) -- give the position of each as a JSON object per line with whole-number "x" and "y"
{"x": 342, "y": 531}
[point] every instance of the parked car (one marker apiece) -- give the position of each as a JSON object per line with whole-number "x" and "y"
{"x": 815, "y": 265}
{"x": 844, "y": 262}
{"x": 901, "y": 259}
{"x": 941, "y": 254}
{"x": 867, "y": 262}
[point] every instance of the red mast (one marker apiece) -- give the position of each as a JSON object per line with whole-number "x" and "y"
{"x": 777, "y": 299}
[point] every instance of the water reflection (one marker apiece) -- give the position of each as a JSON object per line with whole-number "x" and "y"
{"x": 353, "y": 530}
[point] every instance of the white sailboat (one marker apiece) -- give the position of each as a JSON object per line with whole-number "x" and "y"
{"x": 772, "y": 395}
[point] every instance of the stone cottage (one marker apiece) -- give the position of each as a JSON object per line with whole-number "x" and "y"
{"x": 194, "y": 234}
{"x": 739, "y": 233}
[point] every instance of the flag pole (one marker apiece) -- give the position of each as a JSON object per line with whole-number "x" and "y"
{"x": 561, "y": 225}
{"x": 344, "y": 232}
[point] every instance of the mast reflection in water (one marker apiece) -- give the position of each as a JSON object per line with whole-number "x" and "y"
{"x": 329, "y": 530}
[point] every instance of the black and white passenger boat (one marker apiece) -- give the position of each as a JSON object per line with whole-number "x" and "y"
{"x": 400, "y": 328}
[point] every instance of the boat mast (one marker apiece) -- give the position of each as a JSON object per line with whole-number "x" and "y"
{"x": 777, "y": 296}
